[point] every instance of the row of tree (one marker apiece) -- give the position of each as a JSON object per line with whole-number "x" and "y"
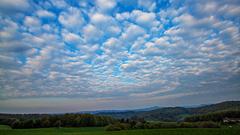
{"x": 66, "y": 120}
{"x": 157, "y": 125}
{"x": 215, "y": 116}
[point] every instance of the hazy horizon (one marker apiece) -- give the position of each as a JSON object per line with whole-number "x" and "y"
{"x": 39, "y": 110}
{"x": 69, "y": 56}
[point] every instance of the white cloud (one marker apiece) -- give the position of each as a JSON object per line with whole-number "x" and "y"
{"x": 144, "y": 18}
{"x": 162, "y": 41}
{"x": 37, "y": 63}
{"x": 221, "y": 8}
{"x": 188, "y": 19}
{"x": 91, "y": 33}
{"x": 71, "y": 19}
{"x": 123, "y": 16}
{"x": 101, "y": 19}
{"x": 71, "y": 37}
{"x": 11, "y": 38}
{"x": 33, "y": 24}
{"x": 14, "y": 46}
{"x": 171, "y": 86}
{"x": 114, "y": 30}
{"x": 147, "y": 4}
{"x": 132, "y": 32}
{"x": 130, "y": 67}
{"x": 230, "y": 10}
{"x": 45, "y": 14}
{"x": 31, "y": 21}
{"x": 14, "y": 5}
{"x": 151, "y": 50}
{"x": 105, "y": 23}
{"x": 113, "y": 45}
{"x": 59, "y": 3}
{"x": 105, "y": 5}
{"x": 8, "y": 62}
{"x": 10, "y": 29}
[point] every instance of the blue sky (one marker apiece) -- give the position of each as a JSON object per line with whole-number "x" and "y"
{"x": 66, "y": 56}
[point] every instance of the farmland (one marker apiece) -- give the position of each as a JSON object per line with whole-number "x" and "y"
{"x": 4, "y": 130}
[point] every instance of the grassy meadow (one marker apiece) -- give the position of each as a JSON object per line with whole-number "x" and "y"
{"x": 5, "y": 130}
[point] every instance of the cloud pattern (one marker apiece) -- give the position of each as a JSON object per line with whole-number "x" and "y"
{"x": 116, "y": 49}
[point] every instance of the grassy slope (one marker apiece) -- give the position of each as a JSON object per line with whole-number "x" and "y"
{"x": 100, "y": 131}
{"x": 4, "y": 127}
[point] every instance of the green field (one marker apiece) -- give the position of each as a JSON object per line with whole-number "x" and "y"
{"x": 4, "y": 127}
{"x": 4, "y": 130}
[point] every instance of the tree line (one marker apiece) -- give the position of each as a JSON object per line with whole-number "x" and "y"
{"x": 215, "y": 116}
{"x": 66, "y": 120}
{"x": 140, "y": 123}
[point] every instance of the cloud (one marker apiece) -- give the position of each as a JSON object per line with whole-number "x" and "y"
{"x": 105, "y": 5}
{"x": 8, "y": 62}
{"x": 147, "y": 5}
{"x": 11, "y": 39}
{"x": 10, "y": 29}
{"x": 31, "y": 21}
{"x": 38, "y": 62}
{"x": 119, "y": 50}
{"x": 151, "y": 50}
{"x": 113, "y": 45}
{"x": 59, "y": 3}
{"x": 71, "y": 37}
{"x": 105, "y": 23}
{"x": 123, "y": 16}
{"x": 100, "y": 19}
{"x": 230, "y": 10}
{"x": 130, "y": 67}
{"x": 33, "y": 24}
{"x": 45, "y": 14}
{"x": 114, "y": 30}
{"x": 91, "y": 33}
{"x": 14, "y": 46}
{"x": 13, "y": 5}
{"x": 144, "y": 18}
{"x": 132, "y": 32}
{"x": 227, "y": 10}
{"x": 72, "y": 19}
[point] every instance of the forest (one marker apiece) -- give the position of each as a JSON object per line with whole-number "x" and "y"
{"x": 44, "y": 121}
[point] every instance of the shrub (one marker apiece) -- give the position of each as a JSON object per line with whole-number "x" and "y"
{"x": 58, "y": 124}
{"x": 208, "y": 124}
{"x": 16, "y": 124}
{"x": 112, "y": 127}
{"x": 45, "y": 123}
{"x": 28, "y": 123}
{"x": 188, "y": 125}
{"x": 150, "y": 125}
{"x": 168, "y": 125}
{"x": 117, "y": 127}
{"x": 139, "y": 125}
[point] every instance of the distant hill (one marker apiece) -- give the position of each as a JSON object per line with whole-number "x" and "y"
{"x": 174, "y": 113}
{"x": 228, "y": 105}
{"x": 118, "y": 111}
{"x": 152, "y": 113}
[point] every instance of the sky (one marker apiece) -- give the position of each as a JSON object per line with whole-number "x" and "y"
{"x": 78, "y": 55}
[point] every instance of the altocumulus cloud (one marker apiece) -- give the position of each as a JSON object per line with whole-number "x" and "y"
{"x": 118, "y": 51}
